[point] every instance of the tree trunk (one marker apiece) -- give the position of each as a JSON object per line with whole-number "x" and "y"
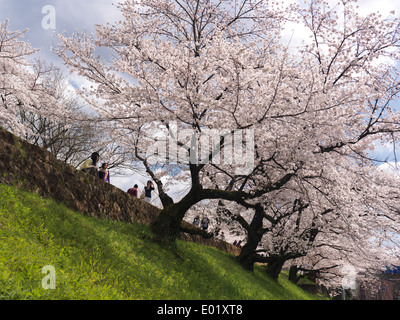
{"x": 168, "y": 223}
{"x": 166, "y": 227}
{"x": 293, "y": 274}
{"x": 255, "y": 231}
{"x": 246, "y": 257}
{"x": 274, "y": 266}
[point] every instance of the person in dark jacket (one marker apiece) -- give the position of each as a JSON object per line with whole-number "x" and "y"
{"x": 148, "y": 189}
{"x": 204, "y": 222}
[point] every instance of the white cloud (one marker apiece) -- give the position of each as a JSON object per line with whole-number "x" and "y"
{"x": 384, "y": 7}
{"x": 391, "y": 167}
{"x": 84, "y": 14}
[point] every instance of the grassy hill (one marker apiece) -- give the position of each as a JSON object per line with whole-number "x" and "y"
{"x": 99, "y": 259}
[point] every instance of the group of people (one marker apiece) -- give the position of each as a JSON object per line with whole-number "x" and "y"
{"x": 90, "y": 167}
{"x": 147, "y": 191}
{"x": 237, "y": 243}
{"x": 203, "y": 224}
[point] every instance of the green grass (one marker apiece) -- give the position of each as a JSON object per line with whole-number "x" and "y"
{"x": 98, "y": 259}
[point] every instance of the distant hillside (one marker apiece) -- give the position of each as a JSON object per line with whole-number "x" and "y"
{"x": 102, "y": 259}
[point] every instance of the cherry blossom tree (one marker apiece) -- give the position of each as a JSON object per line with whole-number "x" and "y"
{"x": 17, "y": 85}
{"x": 325, "y": 228}
{"x": 363, "y": 242}
{"x": 315, "y": 110}
{"x": 37, "y": 105}
{"x": 178, "y": 74}
{"x": 64, "y": 137}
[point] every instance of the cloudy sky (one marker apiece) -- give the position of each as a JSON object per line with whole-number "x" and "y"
{"x": 72, "y": 15}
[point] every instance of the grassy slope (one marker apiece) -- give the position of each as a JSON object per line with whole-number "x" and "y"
{"x": 96, "y": 259}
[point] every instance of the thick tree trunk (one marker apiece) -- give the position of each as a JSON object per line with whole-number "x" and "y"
{"x": 274, "y": 266}
{"x": 293, "y": 274}
{"x": 247, "y": 256}
{"x": 255, "y": 231}
{"x": 166, "y": 227}
{"x": 168, "y": 223}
